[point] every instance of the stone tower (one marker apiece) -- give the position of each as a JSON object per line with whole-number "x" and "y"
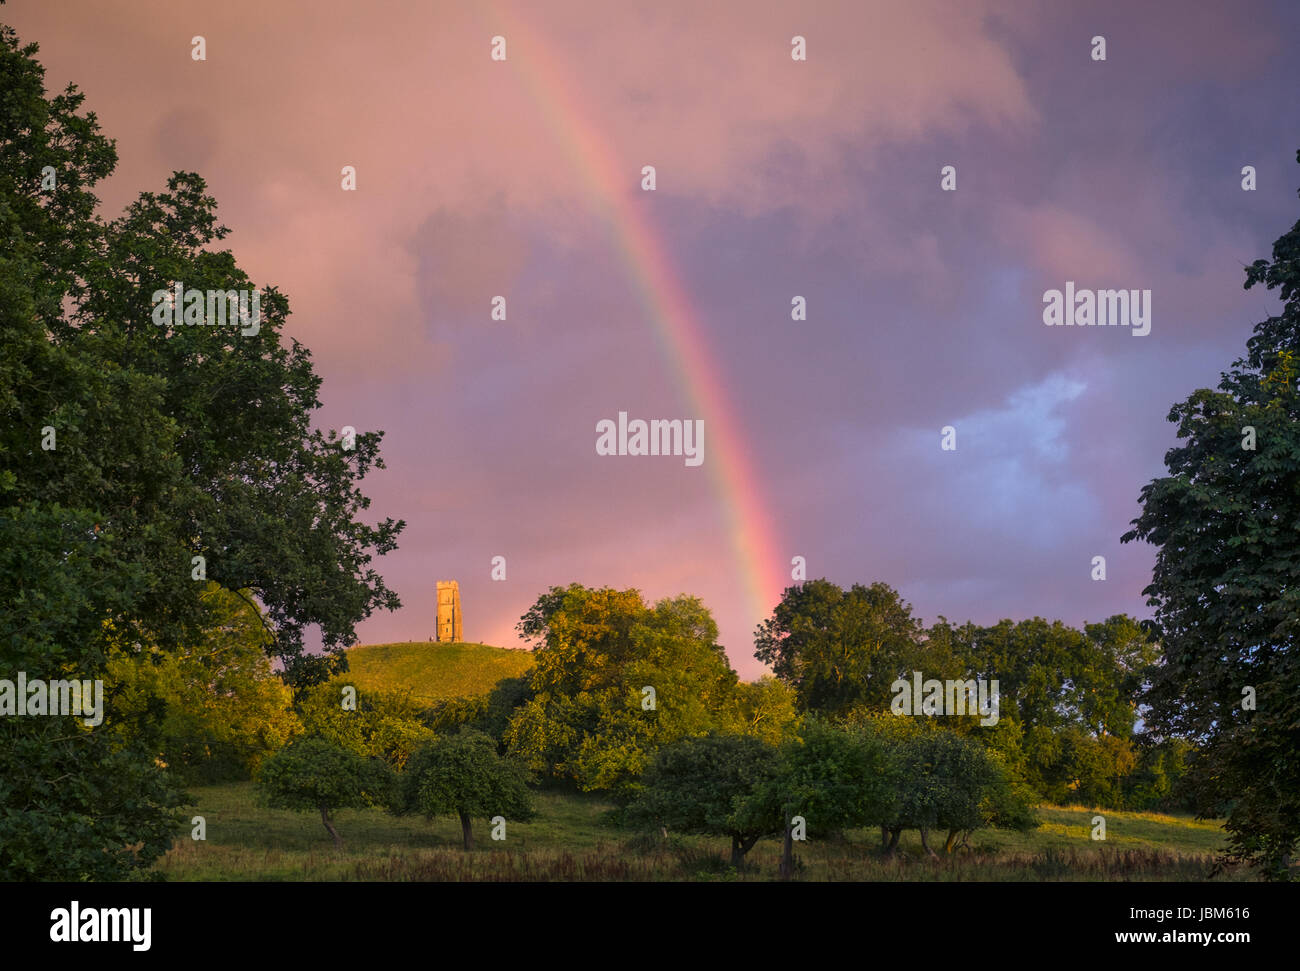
{"x": 448, "y": 629}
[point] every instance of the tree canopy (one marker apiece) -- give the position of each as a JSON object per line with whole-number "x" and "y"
{"x": 590, "y": 718}
{"x": 1225, "y": 522}
{"x": 463, "y": 775}
{"x": 714, "y": 785}
{"x": 127, "y": 450}
{"x": 313, "y": 774}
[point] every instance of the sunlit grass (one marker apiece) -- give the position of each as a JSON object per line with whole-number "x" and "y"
{"x": 569, "y": 840}
{"x": 430, "y": 671}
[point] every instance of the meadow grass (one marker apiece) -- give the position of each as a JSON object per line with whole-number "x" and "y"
{"x": 570, "y": 840}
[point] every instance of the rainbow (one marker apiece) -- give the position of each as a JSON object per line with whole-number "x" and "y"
{"x": 665, "y": 302}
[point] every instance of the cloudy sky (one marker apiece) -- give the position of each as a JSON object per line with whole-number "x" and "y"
{"x": 775, "y": 178}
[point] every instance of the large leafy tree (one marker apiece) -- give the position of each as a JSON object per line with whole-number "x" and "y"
{"x": 590, "y": 719}
{"x": 839, "y": 648}
{"x": 127, "y": 449}
{"x": 1069, "y": 696}
{"x": 1225, "y": 522}
{"x": 183, "y": 440}
{"x": 224, "y": 709}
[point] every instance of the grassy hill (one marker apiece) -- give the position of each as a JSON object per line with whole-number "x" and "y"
{"x": 431, "y": 672}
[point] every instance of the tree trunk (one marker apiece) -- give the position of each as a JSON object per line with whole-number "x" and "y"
{"x": 925, "y": 844}
{"x": 951, "y": 841}
{"x": 787, "y": 850}
{"x": 894, "y": 834}
{"x": 740, "y": 847}
{"x": 467, "y": 830}
{"x": 325, "y": 818}
{"x": 884, "y": 838}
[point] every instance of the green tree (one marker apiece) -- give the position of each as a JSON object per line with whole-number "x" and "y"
{"x": 1060, "y": 687}
{"x": 839, "y": 648}
{"x": 836, "y": 778}
{"x": 462, "y": 775}
{"x": 224, "y": 708}
{"x": 714, "y": 785}
{"x": 490, "y": 713}
{"x": 169, "y": 443}
{"x": 590, "y": 719}
{"x": 183, "y": 440}
{"x": 383, "y": 725}
{"x": 947, "y": 782}
{"x": 765, "y": 709}
{"x": 75, "y": 804}
{"x": 1159, "y": 781}
{"x": 1225, "y": 522}
{"x": 312, "y": 774}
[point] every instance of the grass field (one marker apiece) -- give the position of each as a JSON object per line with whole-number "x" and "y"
{"x": 433, "y": 672}
{"x": 570, "y": 841}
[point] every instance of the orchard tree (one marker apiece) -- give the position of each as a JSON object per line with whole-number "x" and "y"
{"x": 948, "y": 779}
{"x": 312, "y": 774}
{"x": 835, "y": 777}
{"x": 1225, "y": 522}
{"x": 462, "y": 775}
{"x": 714, "y": 785}
{"x": 944, "y": 779}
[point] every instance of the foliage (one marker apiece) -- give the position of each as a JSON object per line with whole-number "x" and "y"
{"x": 765, "y": 709}
{"x": 1225, "y": 522}
{"x": 588, "y": 719}
{"x": 1068, "y": 695}
{"x": 714, "y": 785}
{"x": 315, "y": 774}
{"x": 225, "y": 710}
{"x": 948, "y": 779}
{"x": 169, "y": 442}
{"x": 839, "y": 648}
{"x": 382, "y": 725}
{"x": 944, "y": 779}
{"x": 1159, "y": 780}
{"x": 835, "y": 778}
{"x": 463, "y": 775}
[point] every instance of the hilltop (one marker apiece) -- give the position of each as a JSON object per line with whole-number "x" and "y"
{"x": 431, "y": 671}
